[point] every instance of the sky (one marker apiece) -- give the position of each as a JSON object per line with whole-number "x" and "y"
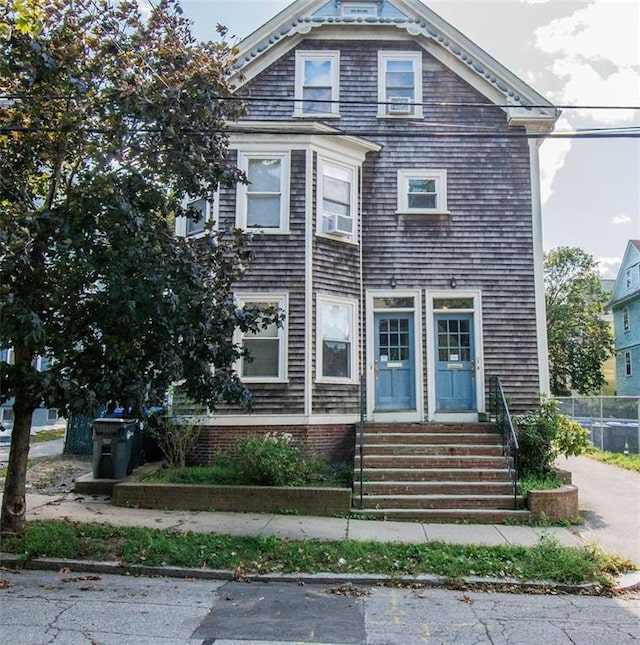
{"x": 575, "y": 54}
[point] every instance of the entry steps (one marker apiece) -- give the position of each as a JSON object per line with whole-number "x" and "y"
{"x": 435, "y": 473}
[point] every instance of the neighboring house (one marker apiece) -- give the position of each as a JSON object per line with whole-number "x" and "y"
{"x": 394, "y": 189}
{"x": 625, "y": 305}
{"x": 41, "y": 416}
{"x": 609, "y": 366}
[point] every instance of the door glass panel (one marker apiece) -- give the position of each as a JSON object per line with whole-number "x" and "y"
{"x": 393, "y": 339}
{"x": 454, "y": 340}
{"x": 452, "y": 303}
{"x": 393, "y": 303}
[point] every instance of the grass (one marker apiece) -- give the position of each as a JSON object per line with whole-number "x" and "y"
{"x": 546, "y": 561}
{"x": 532, "y": 482}
{"x": 47, "y": 435}
{"x": 628, "y": 462}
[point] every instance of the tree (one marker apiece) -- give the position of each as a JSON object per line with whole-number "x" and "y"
{"x": 580, "y": 340}
{"x": 106, "y": 122}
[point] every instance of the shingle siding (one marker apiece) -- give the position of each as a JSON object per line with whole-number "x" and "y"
{"x": 485, "y": 241}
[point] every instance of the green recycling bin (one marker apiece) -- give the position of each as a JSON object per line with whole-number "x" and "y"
{"x": 112, "y": 446}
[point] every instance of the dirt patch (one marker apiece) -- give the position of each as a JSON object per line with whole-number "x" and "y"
{"x": 55, "y": 474}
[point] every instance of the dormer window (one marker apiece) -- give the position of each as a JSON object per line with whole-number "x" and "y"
{"x": 317, "y": 83}
{"x": 399, "y": 84}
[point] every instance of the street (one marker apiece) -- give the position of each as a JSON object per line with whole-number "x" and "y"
{"x": 84, "y": 609}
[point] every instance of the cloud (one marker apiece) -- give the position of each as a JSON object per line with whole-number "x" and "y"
{"x": 596, "y": 57}
{"x": 621, "y": 218}
{"x": 609, "y": 267}
{"x": 553, "y": 153}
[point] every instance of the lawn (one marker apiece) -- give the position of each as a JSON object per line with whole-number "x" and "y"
{"x": 628, "y": 462}
{"x": 546, "y": 561}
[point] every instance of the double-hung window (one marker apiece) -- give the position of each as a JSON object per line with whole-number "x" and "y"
{"x": 336, "y": 342}
{"x": 628, "y": 371}
{"x": 422, "y": 191}
{"x": 266, "y": 349}
{"x": 626, "y": 325}
{"x": 263, "y": 203}
{"x": 336, "y": 199}
{"x": 399, "y": 84}
{"x": 317, "y": 83}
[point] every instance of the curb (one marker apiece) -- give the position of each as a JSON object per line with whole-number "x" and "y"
{"x": 626, "y": 583}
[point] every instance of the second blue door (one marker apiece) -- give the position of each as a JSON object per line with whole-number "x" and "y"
{"x": 394, "y": 362}
{"x": 455, "y": 362}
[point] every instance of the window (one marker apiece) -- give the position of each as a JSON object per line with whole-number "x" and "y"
{"x": 422, "y": 191}
{"x": 625, "y": 319}
{"x": 628, "y": 278}
{"x": 336, "y": 199}
{"x": 317, "y": 83}
{"x": 263, "y": 203}
{"x": 266, "y": 348}
{"x": 400, "y": 84}
{"x": 357, "y": 9}
{"x": 203, "y": 208}
{"x": 336, "y": 339}
{"x": 627, "y": 364}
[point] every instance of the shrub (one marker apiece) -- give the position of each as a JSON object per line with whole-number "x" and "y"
{"x": 544, "y": 435}
{"x": 176, "y": 438}
{"x": 271, "y": 460}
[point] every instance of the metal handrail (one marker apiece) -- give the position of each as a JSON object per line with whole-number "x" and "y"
{"x": 499, "y": 410}
{"x": 363, "y": 410}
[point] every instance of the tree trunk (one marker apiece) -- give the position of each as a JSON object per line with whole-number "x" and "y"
{"x": 14, "y": 501}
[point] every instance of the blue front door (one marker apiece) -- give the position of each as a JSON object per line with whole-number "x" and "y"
{"x": 455, "y": 363}
{"x": 394, "y": 362}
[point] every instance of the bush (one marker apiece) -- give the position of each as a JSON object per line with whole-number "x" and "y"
{"x": 176, "y": 438}
{"x": 544, "y": 435}
{"x": 271, "y": 460}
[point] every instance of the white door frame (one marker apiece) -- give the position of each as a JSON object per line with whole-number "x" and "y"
{"x": 409, "y": 415}
{"x": 476, "y": 295}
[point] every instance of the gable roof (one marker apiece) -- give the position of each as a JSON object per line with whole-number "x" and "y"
{"x": 631, "y": 259}
{"x": 321, "y": 18}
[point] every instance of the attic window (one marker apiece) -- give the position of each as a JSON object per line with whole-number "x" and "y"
{"x": 357, "y": 9}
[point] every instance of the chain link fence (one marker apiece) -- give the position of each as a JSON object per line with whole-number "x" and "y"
{"x": 613, "y": 421}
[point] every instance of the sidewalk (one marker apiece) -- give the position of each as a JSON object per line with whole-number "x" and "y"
{"x": 99, "y": 509}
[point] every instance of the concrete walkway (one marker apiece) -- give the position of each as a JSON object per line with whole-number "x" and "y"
{"x": 609, "y": 499}
{"x": 99, "y": 509}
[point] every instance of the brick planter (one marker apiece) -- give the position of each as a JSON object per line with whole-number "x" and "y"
{"x": 554, "y": 504}
{"x": 254, "y": 499}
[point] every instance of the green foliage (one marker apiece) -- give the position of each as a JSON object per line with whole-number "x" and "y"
{"x": 176, "y": 438}
{"x": 580, "y": 340}
{"x": 270, "y": 460}
{"x": 544, "y": 435}
{"x": 533, "y": 482}
{"x": 628, "y": 462}
{"x": 547, "y": 560}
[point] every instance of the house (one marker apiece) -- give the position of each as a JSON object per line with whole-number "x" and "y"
{"x": 625, "y": 304}
{"x": 609, "y": 366}
{"x": 394, "y": 191}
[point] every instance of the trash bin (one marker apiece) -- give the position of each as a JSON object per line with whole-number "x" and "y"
{"x": 112, "y": 444}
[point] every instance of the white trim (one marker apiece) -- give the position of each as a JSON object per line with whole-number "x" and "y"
{"x": 433, "y": 415}
{"x": 322, "y": 298}
{"x": 302, "y": 56}
{"x": 414, "y": 106}
{"x": 352, "y": 171}
{"x": 267, "y": 419}
{"x": 405, "y": 416}
{"x": 440, "y": 178}
{"x": 285, "y": 188}
{"x": 281, "y": 300}
{"x": 538, "y": 268}
{"x": 308, "y": 285}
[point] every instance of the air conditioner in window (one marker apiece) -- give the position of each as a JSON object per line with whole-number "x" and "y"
{"x": 340, "y": 226}
{"x": 399, "y": 105}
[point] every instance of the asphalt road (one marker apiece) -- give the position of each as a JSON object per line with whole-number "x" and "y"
{"x": 80, "y": 609}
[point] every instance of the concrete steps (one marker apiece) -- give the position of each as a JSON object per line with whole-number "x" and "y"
{"x": 435, "y": 472}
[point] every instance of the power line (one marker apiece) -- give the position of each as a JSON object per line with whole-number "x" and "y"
{"x": 610, "y": 133}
